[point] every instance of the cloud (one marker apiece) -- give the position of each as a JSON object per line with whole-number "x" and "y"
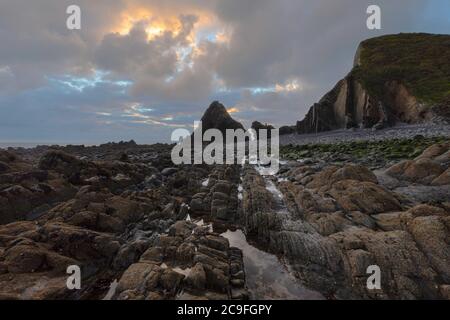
{"x": 266, "y": 60}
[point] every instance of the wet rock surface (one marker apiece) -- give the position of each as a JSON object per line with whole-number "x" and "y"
{"x": 141, "y": 228}
{"x": 188, "y": 262}
{"x": 118, "y": 211}
{"x": 339, "y": 219}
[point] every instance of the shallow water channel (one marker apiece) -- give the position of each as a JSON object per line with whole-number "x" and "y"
{"x": 267, "y": 277}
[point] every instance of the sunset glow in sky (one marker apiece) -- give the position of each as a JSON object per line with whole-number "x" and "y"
{"x": 140, "y": 68}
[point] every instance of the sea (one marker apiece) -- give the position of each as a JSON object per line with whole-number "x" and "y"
{"x": 6, "y": 145}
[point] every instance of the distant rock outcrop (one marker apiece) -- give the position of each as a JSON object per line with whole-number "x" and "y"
{"x": 287, "y": 130}
{"x": 256, "y": 125}
{"x": 396, "y": 78}
{"x": 217, "y": 117}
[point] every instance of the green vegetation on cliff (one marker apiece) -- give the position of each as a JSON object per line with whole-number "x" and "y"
{"x": 419, "y": 61}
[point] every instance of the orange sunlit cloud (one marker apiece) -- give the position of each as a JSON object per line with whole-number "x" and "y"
{"x": 223, "y": 37}
{"x": 159, "y": 22}
{"x": 233, "y": 110}
{"x": 156, "y": 24}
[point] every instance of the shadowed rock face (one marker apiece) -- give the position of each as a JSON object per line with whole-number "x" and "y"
{"x": 348, "y": 105}
{"x": 383, "y": 87}
{"x": 217, "y": 117}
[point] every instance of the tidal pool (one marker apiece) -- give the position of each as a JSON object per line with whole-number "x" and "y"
{"x": 268, "y": 278}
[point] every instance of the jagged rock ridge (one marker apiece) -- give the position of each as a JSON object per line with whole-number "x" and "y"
{"x": 217, "y": 117}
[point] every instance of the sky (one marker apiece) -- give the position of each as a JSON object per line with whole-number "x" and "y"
{"x": 139, "y": 69}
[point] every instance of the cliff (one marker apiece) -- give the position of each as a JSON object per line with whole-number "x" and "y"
{"x": 395, "y": 78}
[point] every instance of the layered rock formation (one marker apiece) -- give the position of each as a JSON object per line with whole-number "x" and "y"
{"x": 124, "y": 220}
{"x": 219, "y": 197}
{"x": 189, "y": 259}
{"x": 400, "y": 78}
{"x": 347, "y": 105}
{"x": 158, "y": 230}
{"x": 331, "y": 222}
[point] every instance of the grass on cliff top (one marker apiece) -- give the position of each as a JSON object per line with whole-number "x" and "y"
{"x": 419, "y": 61}
{"x": 387, "y": 149}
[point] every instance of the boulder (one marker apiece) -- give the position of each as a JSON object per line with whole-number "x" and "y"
{"x": 61, "y": 162}
{"x": 135, "y": 276}
{"x": 443, "y": 179}
{"x": 24, "y": 259}
{"x": 365, "y": 197}
{"x": 431, "y": 235}
{"x": 429, "y": 168}
{"x": 354, "y": 172}
{"x": 7, "y": 156}
{"x": 169, "y": 171}
{"x": 4, "y": 167}
{"x": 435, "y": 151}
{"x": 197, "y": 278}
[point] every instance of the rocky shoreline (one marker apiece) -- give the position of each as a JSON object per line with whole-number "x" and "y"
{"x": 401, "y": 131}
{"x": 124, "y": 212}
